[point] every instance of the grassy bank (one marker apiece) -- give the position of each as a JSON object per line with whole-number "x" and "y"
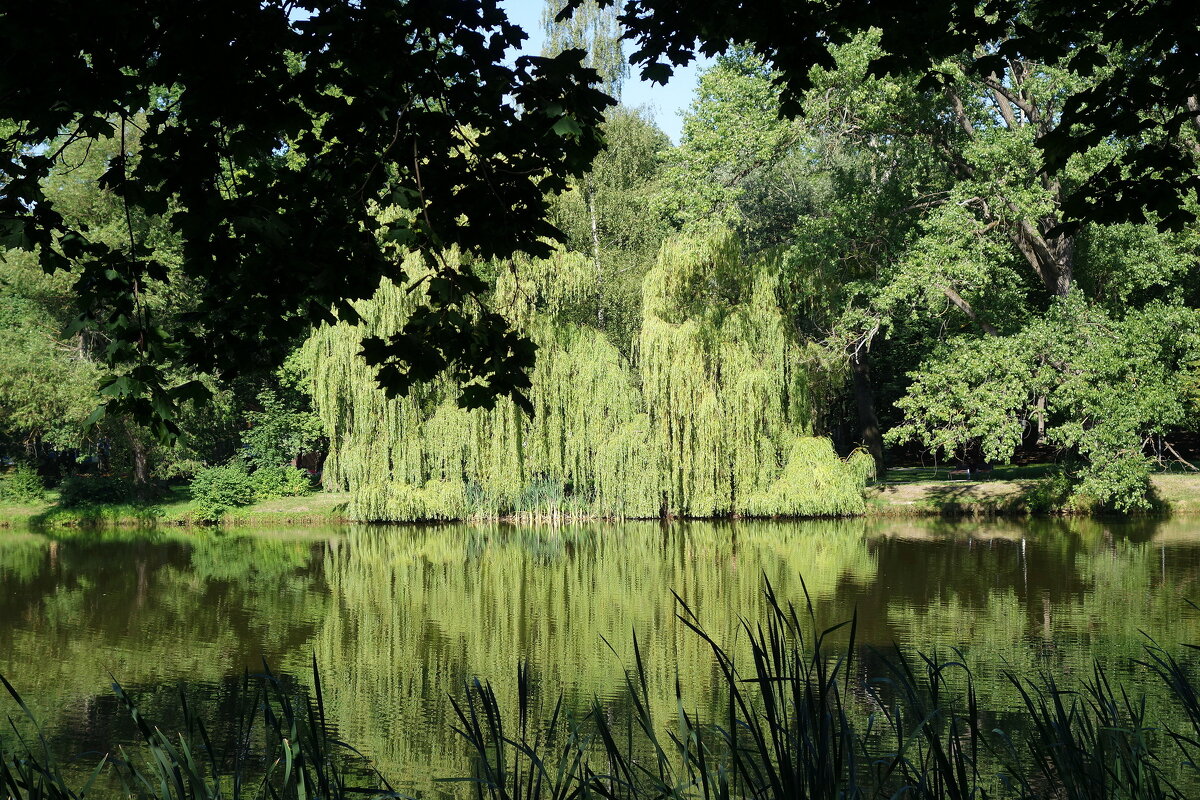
{"x": 908, "y": 492}
{"x": 1008, "y": 491}
{"x": 175, "y": 508}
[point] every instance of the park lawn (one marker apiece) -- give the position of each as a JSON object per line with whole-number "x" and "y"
{"x": 907, "y": 491}
{"x": 1010, "y": 491}
{"x": 174, "y": 509}
{"x": 316, "y": 508}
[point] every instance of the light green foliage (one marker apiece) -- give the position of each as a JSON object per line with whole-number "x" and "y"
{"x": 423, "y": 457}
{"x": 274, "y": 482}
{"x": 971, "y": 389}
{"x": 724, "y": 379}
{"x": 1133, "y": 264}
{"x": 47, "y": 385}
{"x": 734, "y": 151}
{"x": 815, "y": 483}
{"x": 705, "y": 420}
{"x": 594, "y": 30}
{"x": 21, "y": 484}
{"x": 436, "y": 500}
{"x": 280, "y": 429}
{"x": 216, "y": 490}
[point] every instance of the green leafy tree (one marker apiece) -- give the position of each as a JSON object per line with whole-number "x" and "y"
{"x": 613, "y": 215}
{"x": 737, "y": 155}
{"x": 1107, "y": 386}
{"x": 269, "y": 155}
{"x": 283, "y": 426}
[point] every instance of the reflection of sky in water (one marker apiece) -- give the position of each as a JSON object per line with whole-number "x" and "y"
{"x": 399, "y": 618}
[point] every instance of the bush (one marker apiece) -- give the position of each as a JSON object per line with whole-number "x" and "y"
{"x": 90, "y": 490}
{"x": 270, "y": 483}
{"x": 218, "y": 489}
{"x": 22, "y": 485}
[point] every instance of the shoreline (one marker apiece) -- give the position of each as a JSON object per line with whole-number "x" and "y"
{"x": 1174, "y": 494}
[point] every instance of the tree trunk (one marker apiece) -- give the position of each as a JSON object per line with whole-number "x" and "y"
{"x": 864, "y": 399}
{"x": 141, "y": 460}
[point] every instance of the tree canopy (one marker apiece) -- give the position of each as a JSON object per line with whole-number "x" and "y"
{"x": 1145, "y": 56}
{"x": 939, "y": 187}
{"x": 269, "y": 135}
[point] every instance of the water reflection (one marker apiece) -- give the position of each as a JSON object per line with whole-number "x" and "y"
{"x": 398, "y": 618}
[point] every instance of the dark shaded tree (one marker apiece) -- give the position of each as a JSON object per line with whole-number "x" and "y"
{"x": 271, "y": 134}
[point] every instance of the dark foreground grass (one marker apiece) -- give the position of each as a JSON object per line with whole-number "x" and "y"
{"x": 801, "y": 720}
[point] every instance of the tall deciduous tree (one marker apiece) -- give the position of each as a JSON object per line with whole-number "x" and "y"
{"x": 593, "y": 29}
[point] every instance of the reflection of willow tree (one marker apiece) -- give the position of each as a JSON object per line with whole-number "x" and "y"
{"x": 713, "y": 417}
{"x": 422, "y": 611}
{"x": 196, "y": 608}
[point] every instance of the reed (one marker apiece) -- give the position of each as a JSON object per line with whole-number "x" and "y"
{"x": 280, "y": 746}
{"x": 807, "y": 714}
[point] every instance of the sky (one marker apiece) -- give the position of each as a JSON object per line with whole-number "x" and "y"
{"x": 664, "y": 104}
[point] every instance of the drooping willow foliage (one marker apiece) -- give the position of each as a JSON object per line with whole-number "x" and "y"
{"x": 712, "y": 419}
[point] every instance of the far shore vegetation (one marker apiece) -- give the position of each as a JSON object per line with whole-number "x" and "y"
{"x": 1034, "y": 490}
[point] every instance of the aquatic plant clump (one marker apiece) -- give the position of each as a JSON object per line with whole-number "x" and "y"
{"x": 710, "y": 418}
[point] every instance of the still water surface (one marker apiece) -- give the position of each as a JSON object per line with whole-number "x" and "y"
{"x": 399, "y": 618}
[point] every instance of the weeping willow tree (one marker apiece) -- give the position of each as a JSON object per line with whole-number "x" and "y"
{"x": 584, "y": 452}
{"x": 712, "y": 420}
{"x": 724, "y": 379}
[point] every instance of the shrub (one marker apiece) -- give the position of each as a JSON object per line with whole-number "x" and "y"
{"x": 216, "y": 490}
{"x": 22, "y": 485}
{"x": 273, "y": 482}
{"x": 90, "y": 490}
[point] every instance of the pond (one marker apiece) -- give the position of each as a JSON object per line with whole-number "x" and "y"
{"x": 400, "y": 618}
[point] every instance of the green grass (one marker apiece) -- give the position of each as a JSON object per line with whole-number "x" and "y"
{"x": 173, "y": 509}
{"x": 1008, "y": 491}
